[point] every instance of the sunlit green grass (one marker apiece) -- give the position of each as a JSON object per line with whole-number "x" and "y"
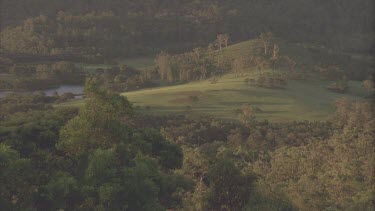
{"x": 300, "y": 100}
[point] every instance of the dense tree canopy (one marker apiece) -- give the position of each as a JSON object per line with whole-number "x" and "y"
{"x": 94, "y": 160}
{"x": 107, "y": 28}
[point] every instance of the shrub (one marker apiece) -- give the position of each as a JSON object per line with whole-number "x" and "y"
{"x": 340, "y": 86}
{"x": 214, "y": 80}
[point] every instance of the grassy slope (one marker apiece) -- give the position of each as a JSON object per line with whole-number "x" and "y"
{"x": 301, "y": 100}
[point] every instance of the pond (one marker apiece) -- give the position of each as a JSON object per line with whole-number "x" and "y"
{"x": 75, "y": 89}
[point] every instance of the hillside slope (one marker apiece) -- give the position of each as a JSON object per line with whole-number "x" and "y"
{"x": 300, "y": 100}
{"x": 308, "y": 57}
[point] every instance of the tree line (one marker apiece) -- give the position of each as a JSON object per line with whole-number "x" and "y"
{"x": 23, "y": 76}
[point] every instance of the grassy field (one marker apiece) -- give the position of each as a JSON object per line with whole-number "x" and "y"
{"x": 301, "y": 100}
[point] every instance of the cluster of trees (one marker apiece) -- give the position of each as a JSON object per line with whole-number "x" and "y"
{"x": 116, "y": 77}
{"x": 298, "y": 165}
{"x": 198, "y": 64}
{"x": 340, "y": 86}
{"x": 96, "y": 159}
{"x": 14, "y": 103}
{"x": 93, "y": 30}
{"x": 210, "y": 62}
{"x": 86, "y": 37}
{"x": 62, "y": 72}
{"x": 340, "y": 79}
{"x": 121, "y": 78}
{"x": 269, "y": 80}
{"x": 25, "y": 84}
{"x": 369, "y": 84}
{"x": 333, "y": 66}
{"x": 17, "y": 102}
{"x": 330, "y": 72}
{"x": 201, "y": 63}
{"x": 336, "y": 172}
{"x": 275, "y": 61}
{"x": 40, "y": 76}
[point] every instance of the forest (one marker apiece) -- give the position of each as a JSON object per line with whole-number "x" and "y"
{"x": 187, "y": 105}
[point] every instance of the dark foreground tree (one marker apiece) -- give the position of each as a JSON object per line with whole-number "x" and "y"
{"x": 230, "y": 189}
{"x": 117, "y": 166}
{"x": 54, "y": 159}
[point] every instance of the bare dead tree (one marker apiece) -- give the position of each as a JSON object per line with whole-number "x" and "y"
{"x": 261, "y": 64}
{"x": 275, "y": 52}
{"x": 225, "y": 39}
{"x": 292, "y": 63}
{"x": 266, "y": 40}
{"x": 221, "y": 40}
{"x": 197, "y": 52}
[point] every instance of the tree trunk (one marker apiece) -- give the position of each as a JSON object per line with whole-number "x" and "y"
{"x": 265, "y": 45}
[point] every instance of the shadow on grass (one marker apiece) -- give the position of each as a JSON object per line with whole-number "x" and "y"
{"x": 258, "y": 103}
{"x": 273, "y": 112}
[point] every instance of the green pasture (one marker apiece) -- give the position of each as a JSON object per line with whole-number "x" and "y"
{"x": 300, "y": 100}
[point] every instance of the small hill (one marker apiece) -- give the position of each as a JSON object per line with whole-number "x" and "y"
{"x": 300, "y": 100}
{"x": 308, "y": 57}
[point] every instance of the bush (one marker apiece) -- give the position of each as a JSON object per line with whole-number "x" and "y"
{"x": 194, "y": 99}
{"x": 270, "y": 81}
{"x": 214, "y": 80}
{"x": 340, "y": 86}
{"x": 65, "y": 97}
